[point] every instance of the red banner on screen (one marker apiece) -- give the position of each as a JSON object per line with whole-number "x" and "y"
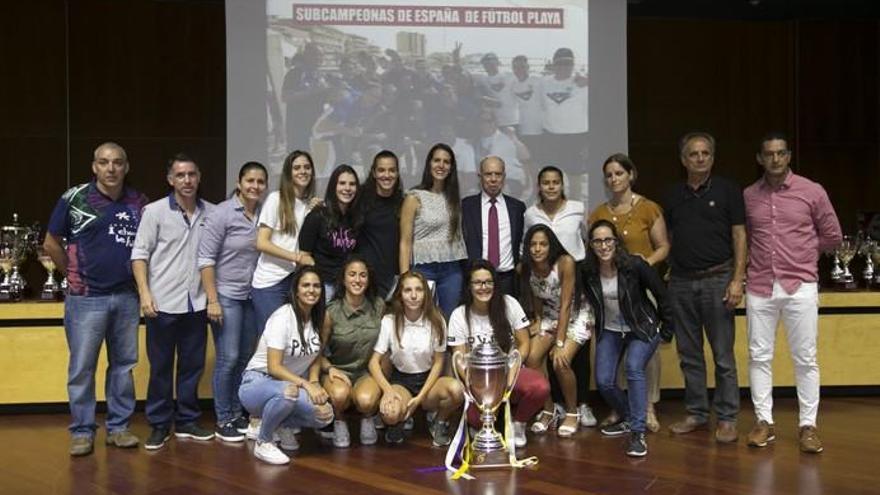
{"x": 426, "y": 15}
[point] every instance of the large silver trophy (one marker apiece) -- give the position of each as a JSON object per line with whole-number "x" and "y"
{"x": 16, "y": 243}
{"x": 489, "y": 374}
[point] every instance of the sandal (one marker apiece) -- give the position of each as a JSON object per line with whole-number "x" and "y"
{"x": 540, "y": 426}
{"x": 566, "y": 431}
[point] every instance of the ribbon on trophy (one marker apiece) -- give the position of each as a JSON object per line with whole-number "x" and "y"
{"x": 460, "y": 448}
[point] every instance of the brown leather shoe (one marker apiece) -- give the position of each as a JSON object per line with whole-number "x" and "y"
{"x": 688, "y": 424}
{"x": 762, "y": 434}
{"x": 726, "y": 432}
{"x": 809, "y": 440}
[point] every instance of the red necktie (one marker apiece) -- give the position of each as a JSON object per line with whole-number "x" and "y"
{"x": 494, "y": 249}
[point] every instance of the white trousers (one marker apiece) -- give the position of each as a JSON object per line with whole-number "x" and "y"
{"x": 800, "y": 317}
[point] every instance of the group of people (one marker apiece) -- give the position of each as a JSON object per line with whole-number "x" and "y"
{"x": 369, "y": 103}
{"x": 350, "y": 304}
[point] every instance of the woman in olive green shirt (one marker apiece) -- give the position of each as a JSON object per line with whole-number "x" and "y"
{"x": 350, "y": 329}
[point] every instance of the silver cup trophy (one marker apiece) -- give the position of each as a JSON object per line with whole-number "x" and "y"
{"x": 845, "y": 252}
{"x": 489, "y": 374}
{"x": 16, "y": 243}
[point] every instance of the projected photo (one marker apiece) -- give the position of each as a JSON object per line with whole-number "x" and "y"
{"x": 347, "y": 80}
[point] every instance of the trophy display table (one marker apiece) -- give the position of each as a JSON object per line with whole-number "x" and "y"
{"x": 33, "y": 351}
{"x": 33, "y": 356}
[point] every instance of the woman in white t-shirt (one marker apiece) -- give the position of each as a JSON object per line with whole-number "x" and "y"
{"x": 280, "y": 382}
{"x": 413, "y": 337}
{"x": 280, "y": 219}
{"x": 488, "y": 315}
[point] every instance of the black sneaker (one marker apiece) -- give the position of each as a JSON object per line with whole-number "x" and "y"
{"x": 616, "y": 429}
{"x": 241, "y": 424}
{"x": 229, "y": 433}
{"x": 157, "y": 438}
{"x": 194, "y": 431}
{"x": 637, "y": 447}
{"x": 394, "y": 434}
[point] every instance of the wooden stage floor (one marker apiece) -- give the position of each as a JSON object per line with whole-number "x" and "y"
{"x": 34, "y": 460}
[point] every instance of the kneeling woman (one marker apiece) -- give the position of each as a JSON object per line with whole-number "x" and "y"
{"x": 563, "y": 320}
{"x": 273, "y": 386}
{"x": 616, "y": 284}
{"x": 488, "y": 315}
{"x": 413, "y": 336}
{"x": 350, "y": 330}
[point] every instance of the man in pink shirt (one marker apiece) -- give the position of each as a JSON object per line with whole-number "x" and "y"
{"x": 790, "y": 220}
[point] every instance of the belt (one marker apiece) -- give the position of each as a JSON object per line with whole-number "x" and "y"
{"x": 707, "y": 272}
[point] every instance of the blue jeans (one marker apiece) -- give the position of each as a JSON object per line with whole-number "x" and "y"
{"x": 184, "y": 336}
{"x": 631, "y": 404}
{"x": 88, "y": 322}
{"x": 264, "y": 396}
{"x": 234, "y": 343}
{"x": 698, "y": 306}
{"x": 448, "y": 277}
{"x": 268, "y": 299}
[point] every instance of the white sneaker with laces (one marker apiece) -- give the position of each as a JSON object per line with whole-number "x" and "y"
{"x": 519, "y": 434}
{"x": 587, "y": 417}
{"x": 341, "y": 437}
{"x": 268, "y": 452}
{"x": 287, "y": 438}
{"x": 369, "y": 436}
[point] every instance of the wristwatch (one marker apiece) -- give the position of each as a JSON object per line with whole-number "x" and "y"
{"x": 560, "y": 344}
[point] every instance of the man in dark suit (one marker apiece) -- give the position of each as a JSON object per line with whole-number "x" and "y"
{"x": 492, "y": 224}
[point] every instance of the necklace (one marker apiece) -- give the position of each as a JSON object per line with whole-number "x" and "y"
{"x": 622, "y": 223}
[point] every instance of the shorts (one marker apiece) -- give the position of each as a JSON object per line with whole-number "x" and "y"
{"x": 412, "y": 382}
{"x": 580, "y": 325}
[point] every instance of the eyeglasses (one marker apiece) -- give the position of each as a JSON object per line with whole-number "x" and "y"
{"x": 606, "y": 242}
{"x": 476, "y": 284}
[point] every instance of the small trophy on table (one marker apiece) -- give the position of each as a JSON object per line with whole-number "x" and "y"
{"x": 845, "y": 253}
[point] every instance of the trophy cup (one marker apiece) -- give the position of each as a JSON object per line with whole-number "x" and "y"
{"x": 865, "y": 249}
{"x": 16, "y": 243}
{"x": 489, "y": 375}
{"x": 836, "y": 270}
{"x": 51, "y": 290}
{"x": 845, "y": 252}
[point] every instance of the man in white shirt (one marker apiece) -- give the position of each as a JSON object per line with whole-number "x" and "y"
{"x": 564, "y": 101}
{"x": 492, "y": 224}
{"x": 497, "y": 87}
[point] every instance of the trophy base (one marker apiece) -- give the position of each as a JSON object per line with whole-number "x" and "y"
{"x": 49, "y": 296}
{"x": 850, "y": 285}
{"x": 495, "y": 459}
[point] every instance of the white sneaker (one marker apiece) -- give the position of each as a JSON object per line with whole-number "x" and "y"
{"x": 253, "y": 429}
{"x": 341, "y": 437}
{"x": 409, "y": 424}
{"x": 268, "y": 452}
{"x": 368, "y": 431}
{"x": 287, "y": 438}
{"x": 519, "y": 434}
{"x": 587, "y": 417}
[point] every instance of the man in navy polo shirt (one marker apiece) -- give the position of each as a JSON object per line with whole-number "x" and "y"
{"x": 99, "y": 219}
{"x": 706, "y": 220}
{"x": 173, "y": 302}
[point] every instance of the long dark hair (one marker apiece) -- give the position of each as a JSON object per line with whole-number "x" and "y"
{"x": 331, "y": 210}
{"x": 450, "y": 187}
{"x": 429, "y": 309}
{"x": 555, "y": 251}
{"x": 369, "y": 293}
{"x": 497, "y": 305}
{"x": 287, "y": 193}
{"x": 621, "y": 256}
{"x": 368, "y": 196}
{"x": 316, "y": 315}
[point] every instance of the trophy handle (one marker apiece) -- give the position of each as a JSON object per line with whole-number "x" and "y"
{"x": 514, "y": 365}
{"x": 460, "y": 359}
